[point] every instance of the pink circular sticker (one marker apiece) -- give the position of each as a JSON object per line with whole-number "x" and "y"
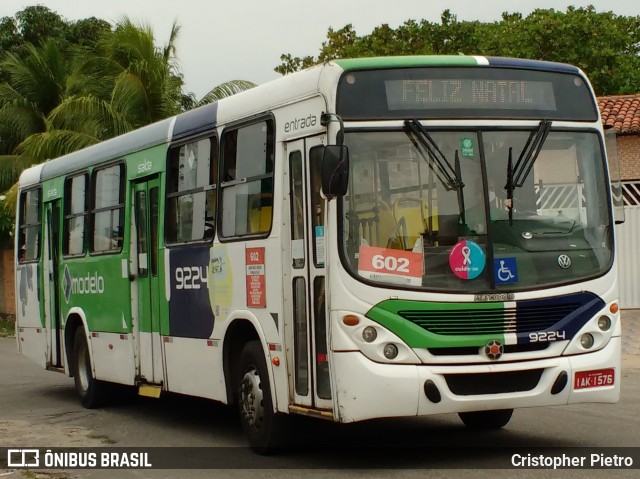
{"x": 467, "y": 259}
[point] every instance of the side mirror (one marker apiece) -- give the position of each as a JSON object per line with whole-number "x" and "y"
{"x": 335, "y": 171}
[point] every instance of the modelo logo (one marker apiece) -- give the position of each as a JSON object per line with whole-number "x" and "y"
{"x": 91, "y": 283}
{"x": 300, "y": 124}
{"x": 191, "y": 277}
{"x": 144, "y": 167}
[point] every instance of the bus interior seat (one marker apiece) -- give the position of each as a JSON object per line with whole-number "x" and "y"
{"x": 415, "y": 212}
{"x": 377, "y": 226}
{"x": 411, "y": 210}
{"x": 260, "y": 212}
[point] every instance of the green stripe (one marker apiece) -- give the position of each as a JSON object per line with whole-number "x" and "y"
{"x": 408, "y": 61}
{"x": 386, "y": 314}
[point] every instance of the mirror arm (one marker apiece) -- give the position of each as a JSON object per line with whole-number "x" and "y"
{"x": 327, "y": 118}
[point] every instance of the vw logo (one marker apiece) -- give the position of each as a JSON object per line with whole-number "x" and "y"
{"x": 564, "y": 261}
{"x": 493, "y": 349}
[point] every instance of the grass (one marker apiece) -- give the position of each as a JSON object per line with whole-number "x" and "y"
{"x": 7, "y": 327}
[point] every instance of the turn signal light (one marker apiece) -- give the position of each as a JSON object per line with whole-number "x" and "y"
{"x": 614, "y": 308}
{"x": 351, "y": 320}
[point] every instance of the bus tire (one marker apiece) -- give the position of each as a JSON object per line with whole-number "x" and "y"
{"x": 261, "y": 425}
{"x": 486, "y": 420}
{"x": 93, "y": 393}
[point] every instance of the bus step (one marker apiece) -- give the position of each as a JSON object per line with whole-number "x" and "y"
{"x": 307, "y": 411}
{"x": 57, "y": 369}
{"x": 150, "y": 390}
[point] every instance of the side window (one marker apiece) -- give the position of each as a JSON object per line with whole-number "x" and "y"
{"x": 191, "y": 194}
{"x": 247, "y": 182}
{"x": 29, "y": 228}
{"x": 317, "y": 204}
{"x": 107, "y": 212}
{"x": 75, "y": 215}
{"x": 297, "y": 214}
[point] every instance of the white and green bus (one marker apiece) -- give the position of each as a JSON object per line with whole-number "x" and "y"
{"x": 368, "y": 238}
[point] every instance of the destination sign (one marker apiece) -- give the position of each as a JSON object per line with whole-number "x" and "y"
{"x": 464, "y": 92}
{"x": 412, "y": 94}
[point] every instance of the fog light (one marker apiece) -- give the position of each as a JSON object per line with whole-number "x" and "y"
{"x": 369, "y": 334}
{"x": 390, "y": 351}
{"x": 604, "y": 323}
{"x": 586, "y": 340}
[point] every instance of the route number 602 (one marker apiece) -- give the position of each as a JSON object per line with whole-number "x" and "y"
{"x": 390, "y": 263}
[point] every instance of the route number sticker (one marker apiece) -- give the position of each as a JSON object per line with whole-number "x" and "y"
{"x": 390, "y": 265}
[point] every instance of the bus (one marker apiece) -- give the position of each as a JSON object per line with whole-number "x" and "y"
{"x": 368, "y": 238}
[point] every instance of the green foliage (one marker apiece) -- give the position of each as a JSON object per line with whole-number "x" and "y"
{"x": 606, "y": 46}
{"x": 67, "y": 85}
{"x": 37, "y": 23}
{"x": 225, "y": 90}
{"x": 7, "y": 327}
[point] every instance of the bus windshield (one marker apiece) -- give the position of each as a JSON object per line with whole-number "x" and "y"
{"x": 454, "y": 210}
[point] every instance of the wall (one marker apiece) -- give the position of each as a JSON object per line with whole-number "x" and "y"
{"x": 629, "y": 156}
{"x": 7, "y": 290}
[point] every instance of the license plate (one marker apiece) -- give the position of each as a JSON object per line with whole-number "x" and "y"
{"x": 594, "y": 379}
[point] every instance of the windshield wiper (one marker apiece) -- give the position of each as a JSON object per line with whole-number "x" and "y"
{"x": 530, "y": 153}
{"x": 516, "y": 175}
{"x": 446, "y": 173}
{"x": 509, "y": 186}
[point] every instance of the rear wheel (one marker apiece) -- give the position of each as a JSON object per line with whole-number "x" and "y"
{"x": 93, "y": 393}
{"x": 486, "y": 420}
{"x": 261, "y": 425}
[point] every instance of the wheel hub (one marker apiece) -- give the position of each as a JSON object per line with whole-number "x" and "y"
{"x": 251, "y": 399}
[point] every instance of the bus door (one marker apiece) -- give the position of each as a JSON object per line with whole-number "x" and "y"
{"x": 145, "y": 255}
{"x": 307, "y": 326}
{"x": 52, "y": 290}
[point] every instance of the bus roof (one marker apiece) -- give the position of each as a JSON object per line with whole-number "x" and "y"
{"x": 116, "y": 147}
{"x": 258, "y": 100}
{"x": 451, "y": 61}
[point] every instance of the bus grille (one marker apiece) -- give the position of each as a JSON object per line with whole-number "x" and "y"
{"x": 458, "y": 322}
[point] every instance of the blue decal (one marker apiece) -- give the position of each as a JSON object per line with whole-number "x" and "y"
{"x": 505, "y": 270}
{"x": 564, "y": 314}
{"x": 190, "y": 312}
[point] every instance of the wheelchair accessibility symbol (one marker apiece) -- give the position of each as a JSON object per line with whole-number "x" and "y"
{"x": 505, "y": 270}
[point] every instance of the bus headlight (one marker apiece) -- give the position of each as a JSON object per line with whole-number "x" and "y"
{"x": 369, "y": 334}
{"x": 587, "y": 340}
{"x": 390, "y": 351}
{"x": 604, "y": 323}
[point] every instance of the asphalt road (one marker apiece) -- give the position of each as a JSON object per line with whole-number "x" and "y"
{"x": 40, "y": 409}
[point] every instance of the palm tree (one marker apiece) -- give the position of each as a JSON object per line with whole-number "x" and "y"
{"x": 58, "y": 102}
{"x": 224, "y": 90}
{"x": 37, "y": 83}
{"x": 121, "y": 83}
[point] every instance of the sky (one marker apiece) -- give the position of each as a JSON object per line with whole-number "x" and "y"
{"x": 243, "y": 39}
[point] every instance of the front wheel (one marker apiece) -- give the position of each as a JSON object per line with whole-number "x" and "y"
{"x": 260, "y": 424}
{"x": 486, "y": 420}
{"x": 93, "y": 393}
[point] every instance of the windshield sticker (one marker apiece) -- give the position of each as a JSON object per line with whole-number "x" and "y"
{"x": 467, "y": 259}
{"x": 505, "y": 270}
{"x": 319, "y": 239}
{"x": 390, "y": 265}
{"x": 466, "y": 147}
{"x": 256, "y": 279}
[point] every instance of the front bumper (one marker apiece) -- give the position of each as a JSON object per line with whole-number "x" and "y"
{"x": 367, "y": 390}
